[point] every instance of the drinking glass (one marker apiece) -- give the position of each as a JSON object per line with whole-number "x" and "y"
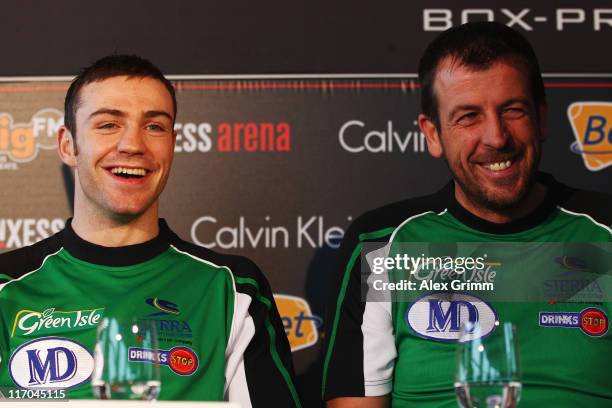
{"x": 488, "y": 373}
{"x": 126, "y": 360}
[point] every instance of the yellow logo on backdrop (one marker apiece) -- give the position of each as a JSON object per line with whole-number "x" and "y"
{"x": 301, "y": 326}
{"x": 592, "y": 124}
{"x": 21, "y": 141}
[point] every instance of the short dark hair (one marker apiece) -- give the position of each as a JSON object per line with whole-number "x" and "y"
{"x": 476, "y": 45}
{"x": 108, "y": 67}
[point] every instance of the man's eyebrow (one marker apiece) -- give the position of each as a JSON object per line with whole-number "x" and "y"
{"x": 468, "y": 107}
{"x": 512, "y": 101}
{"x": 107, "y": 111}
{"x": 154, "y": 113}
{"x": 459, "y": 108}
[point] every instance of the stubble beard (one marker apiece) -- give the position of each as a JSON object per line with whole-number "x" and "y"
{"x": 478, "y": 194}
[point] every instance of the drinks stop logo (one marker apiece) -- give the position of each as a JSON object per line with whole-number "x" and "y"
{"x": 592, "y": 125}
{"x": 592, "y": 321}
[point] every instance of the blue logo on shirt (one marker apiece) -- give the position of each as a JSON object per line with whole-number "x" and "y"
{"x": 165, "y": 307}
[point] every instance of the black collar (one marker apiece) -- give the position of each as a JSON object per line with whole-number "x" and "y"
{"x": 554, "y": 193}
{"x": 115, "y": 256}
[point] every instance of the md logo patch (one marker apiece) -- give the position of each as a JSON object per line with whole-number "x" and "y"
{"x": 50, "y": 363}
{"x": 439, "y": 316}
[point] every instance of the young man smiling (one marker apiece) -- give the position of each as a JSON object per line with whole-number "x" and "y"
{"x": 217, "y": 321}
{"x": 483, "y": 111}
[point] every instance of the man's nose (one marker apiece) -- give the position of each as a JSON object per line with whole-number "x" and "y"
{"x": 495, "y": 134}
{"x": 131, "y": 141}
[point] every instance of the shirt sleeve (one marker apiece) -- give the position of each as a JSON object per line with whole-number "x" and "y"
{"x": 359, "y": 349}
{"x": 259, "y": 369}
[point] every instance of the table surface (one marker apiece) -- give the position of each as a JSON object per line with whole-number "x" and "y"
{"x": 7, "y": 403}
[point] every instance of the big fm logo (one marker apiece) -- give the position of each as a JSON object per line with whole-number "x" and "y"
{"x": 592, "y": 125}
{"x": 19, "y": 232}
{"x": 441, "y": 19}
{"x": 50, "y": 363}
{"x": 439, "y": 316}
{"x": 356, "y": 136}
{"x": 301, "y": 326}
{"x": 249, "y": 137}
{"x": 21, "y": 142}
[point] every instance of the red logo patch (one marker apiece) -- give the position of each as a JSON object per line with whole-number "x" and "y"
{"x": 594, "y": 322}
{"x": 183, "y": 361}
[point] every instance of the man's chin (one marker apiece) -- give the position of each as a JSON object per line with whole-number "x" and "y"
{"x": 498, "y": 195}
{"x": 500, "y": 203}
{"x": 127, "y": 213}
{"x": 502, "y": 198}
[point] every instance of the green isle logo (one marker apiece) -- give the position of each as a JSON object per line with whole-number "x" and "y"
{"x": 29, "y": 322}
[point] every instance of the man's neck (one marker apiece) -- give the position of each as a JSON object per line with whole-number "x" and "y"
{"x": 115, "y": 232}
{"x": 525, "y": 207}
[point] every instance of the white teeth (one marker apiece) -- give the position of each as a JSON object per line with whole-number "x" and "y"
{"x": 130, "y": 172}
{"x": 500, "y": 165}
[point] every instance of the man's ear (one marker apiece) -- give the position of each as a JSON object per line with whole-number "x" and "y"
{"x": 429, "y": 129}
{"x": 543, "y": 121}
{"x": 66, "y": 146}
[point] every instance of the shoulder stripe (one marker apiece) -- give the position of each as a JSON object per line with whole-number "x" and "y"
{"x": 607, "y": 228}
{"x": 345, "y": 281}
{"x": 412, "y": 218}
{"x": 332, "y": 337}
{"x": 376, "y": 234}
{"x": 272, "y": 334}
{"x": 231, "y": 274}
{"x": 270, "y": 329}
{"x": 2, "y": 286}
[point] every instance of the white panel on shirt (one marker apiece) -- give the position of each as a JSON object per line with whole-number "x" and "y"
{"x": 242, "y": 332}
{"x": 379, "y": 350}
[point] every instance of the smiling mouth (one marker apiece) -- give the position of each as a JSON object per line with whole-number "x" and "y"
{"x": 126, "y": 172}
{"x": 499, "y": 166}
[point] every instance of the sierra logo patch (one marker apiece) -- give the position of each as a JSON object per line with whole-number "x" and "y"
{"x": 439, "y": 316}
{"x": 50, "y": 363}
{"x": 592, "y": 125}
{"x": 51, "y": 321}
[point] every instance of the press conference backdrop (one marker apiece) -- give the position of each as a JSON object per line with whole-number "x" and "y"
{"x": 276, "y": 167}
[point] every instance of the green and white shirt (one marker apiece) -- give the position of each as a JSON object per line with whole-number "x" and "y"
{"x": 407, "y": 348}
{"x": 218, "y": 326}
